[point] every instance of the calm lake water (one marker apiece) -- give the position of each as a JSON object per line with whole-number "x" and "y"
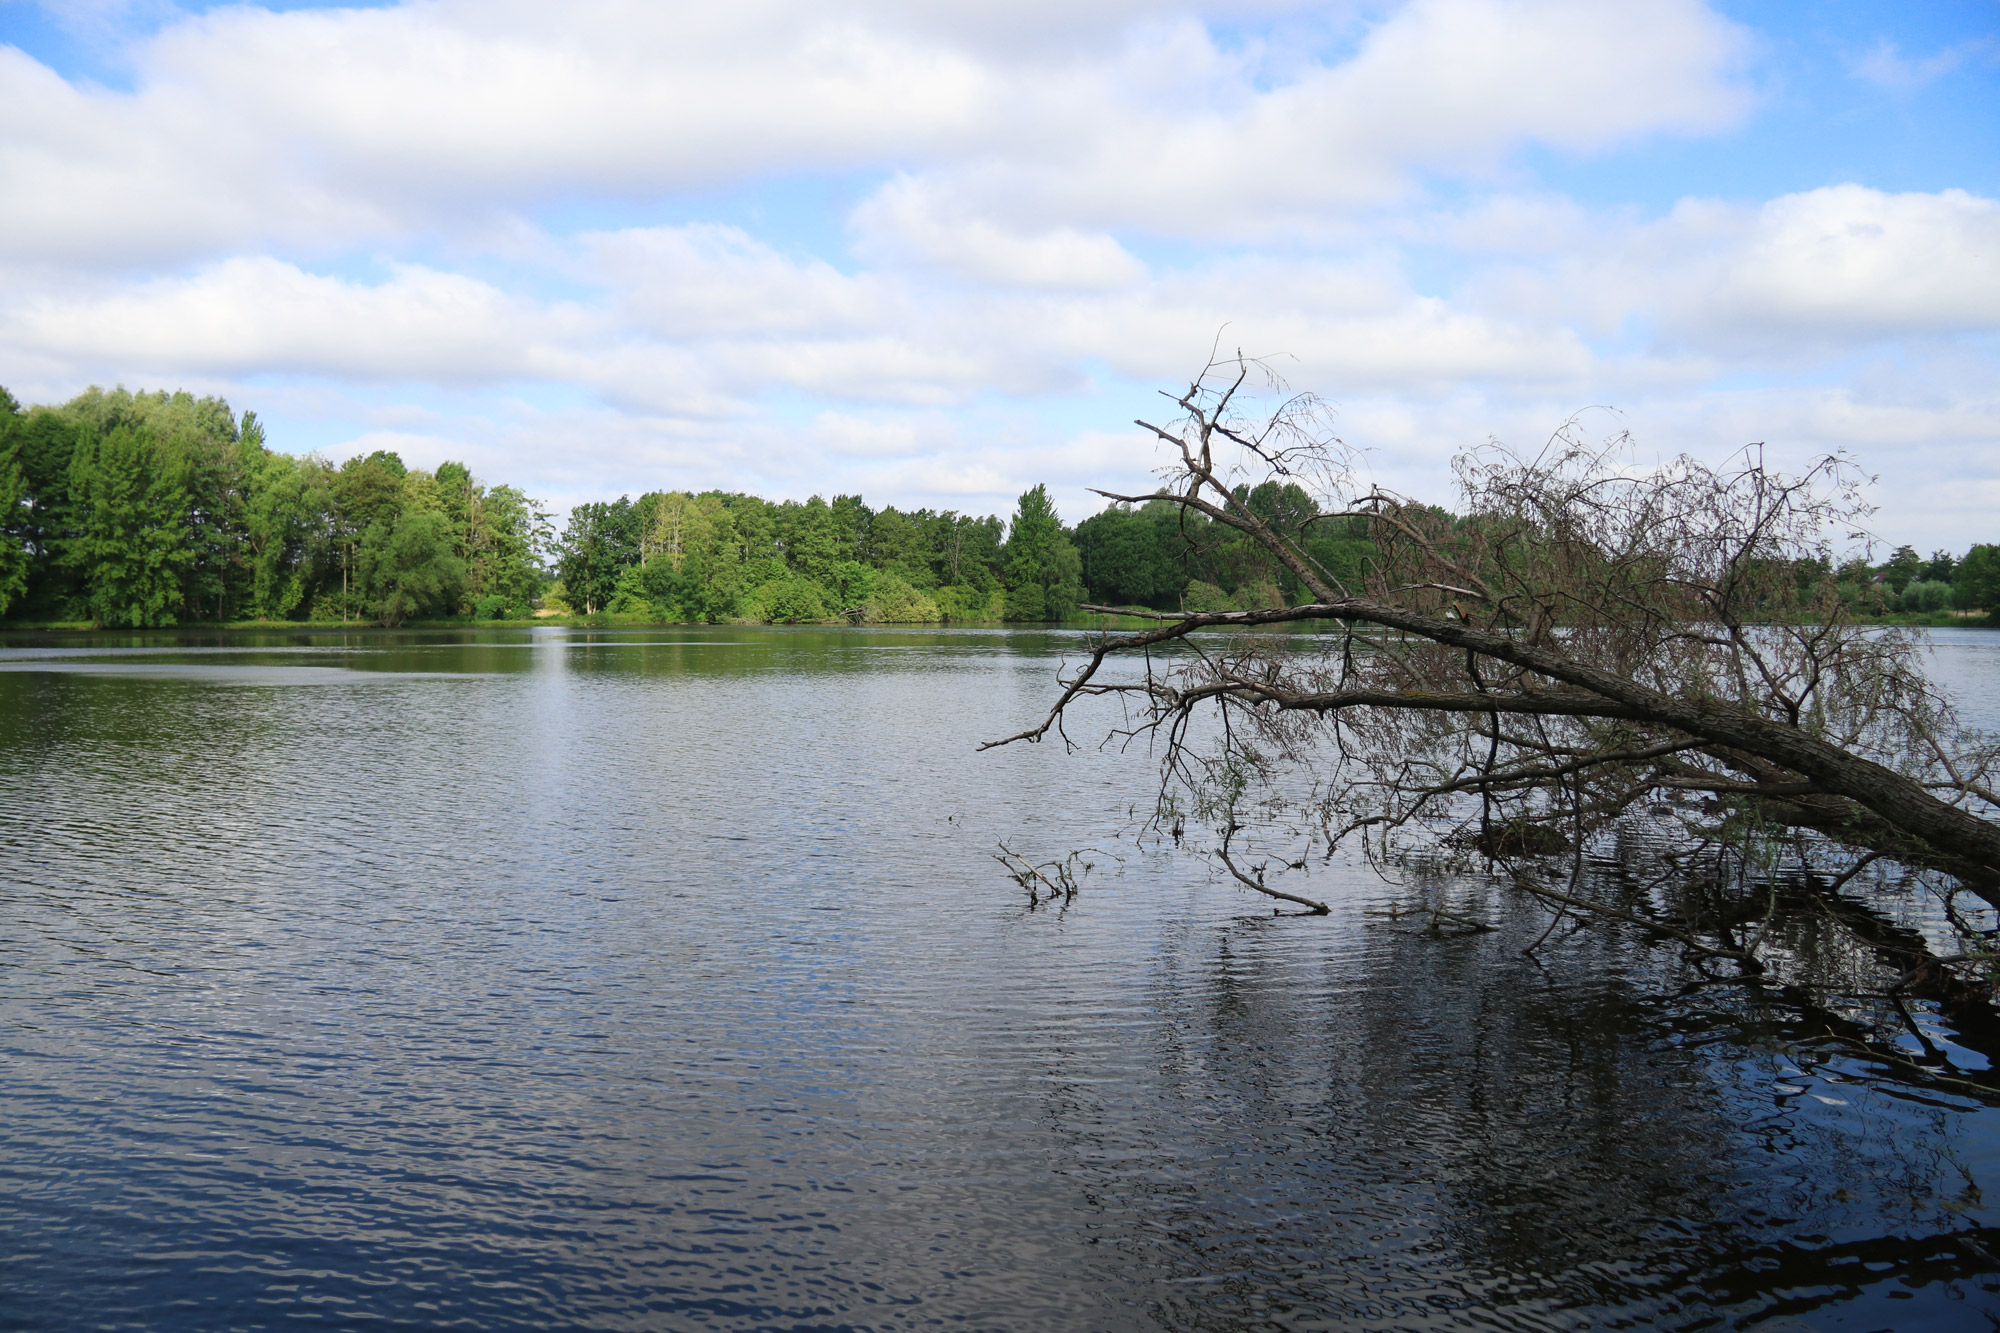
{"x": 664, "y": 980}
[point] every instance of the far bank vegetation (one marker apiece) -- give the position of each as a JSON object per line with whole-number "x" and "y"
{"x": 150, "y": 509}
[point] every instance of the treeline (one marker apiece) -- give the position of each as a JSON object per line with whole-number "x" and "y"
{"x": 1162, "y": 556}
{"x": 1906, "y": 583}
{"x": 145, "y": 509}
{"x": 720, "y": 557}
{"x": 149, "y": 509}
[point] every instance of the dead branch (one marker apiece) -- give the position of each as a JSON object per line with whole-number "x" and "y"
{"x": 1580, "y": 644}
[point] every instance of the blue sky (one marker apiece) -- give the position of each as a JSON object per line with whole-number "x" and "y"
{"x": 936, "y": 254}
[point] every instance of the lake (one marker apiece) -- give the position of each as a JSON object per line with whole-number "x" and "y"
{"x": 659, "y": 980}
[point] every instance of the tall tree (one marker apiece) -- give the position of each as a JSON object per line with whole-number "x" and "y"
{"x": 415, "y": 571}
{"x": 13, "y": 506}
{"x": 599, "y": 543}
{"x": 1976, "y": 581}
{"x": 286, "y": 520}
{"x": 814, "y": 541}
{"x": 46, "y": 440}
{"x": 511, "y": 536}
{"x": 1138, "y": 555}
{"x": 132, "y": 548}
{"x": 368, "y": 501}
{"x": 1044, "y": 572}
{"x": 1901, "y": 567}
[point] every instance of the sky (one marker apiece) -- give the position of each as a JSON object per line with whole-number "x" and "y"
{"x": 935, "y": 253}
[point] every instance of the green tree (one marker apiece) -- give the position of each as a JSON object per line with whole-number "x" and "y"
{"x": 368, "y": 500}
{"x": 814, "y": 543}
{"x": 1976, "y": 583}
{"x": 693, "y": 555}
{"x": 133, "y": 547}
{"x": 286, "y": 510}
{"x": 45, "y": 441}
{"x": 892, "y": 601}
{"x": 458, "y": 496}
{"x": 197, "y": 441}
{"x": 1339, "y": 548}
{"x": 969, "y": 549}
{"x": 898, "y": 545}
{"x": 853, "y": 527}
{"x": 600, "y": 541}
{"x": 789, "y": 598}
{"x": 156, "y": 507}
{"x": 13, "y": 506}
{"x": 1901, "y": 567}
{"x": 511, "y": 534}
{"x": 1924, "y": 595}
{"x": 1044, "y": 572}
{"x": 1137, "y": 556}
{"x": 415, "y": 572}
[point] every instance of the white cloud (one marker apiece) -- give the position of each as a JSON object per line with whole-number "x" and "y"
{"x": 1886, "y": 66}
{"x": 318, "y": 128}
{"x": 1855, "y": 262}
{"x": 1185, "y": 139}
{"x": 707, "y": 280}
{"x": 704, "y": 321}
{"x": 903, "y": 224}
{"x": 1843, "y": 266}
{"x": 1040, "y": 211}
{"x": 845, "y": 435}
{"x": 258, "y": 316}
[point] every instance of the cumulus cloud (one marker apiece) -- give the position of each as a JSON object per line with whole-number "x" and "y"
{"x": 1186, "y": 139}
{"x": 1842, "y": 265}
{"x": 1858, "y": 262}
{"x": 259, "y": 315}
{"x": 313, "y": 127}
{"x": 904, "y": 224}
{"x": 900, "y": 336}
{"x": 504, "y": 230}
{"x": 704, "y": 321}
{"x": 708, "y": 280}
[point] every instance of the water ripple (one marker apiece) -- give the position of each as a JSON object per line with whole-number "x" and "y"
{"x": 668, "y": 985}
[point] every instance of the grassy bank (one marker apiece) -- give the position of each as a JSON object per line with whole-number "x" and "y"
{"x": 1937, "y": 619}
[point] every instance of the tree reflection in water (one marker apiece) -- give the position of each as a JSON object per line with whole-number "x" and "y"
{"x": 1447, "y": 1132}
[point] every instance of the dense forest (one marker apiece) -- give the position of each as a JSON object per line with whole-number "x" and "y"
{"x": 137, "y": 509}
{"x": 720, "y": 557}
{"x": 147, "y": 509}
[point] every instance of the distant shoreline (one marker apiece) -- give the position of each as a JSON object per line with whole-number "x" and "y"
{"x": 601, "y": 621}
{"x": 607, "y": 621}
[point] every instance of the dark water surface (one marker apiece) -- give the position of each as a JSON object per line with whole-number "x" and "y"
{"x": 663, "y": 980}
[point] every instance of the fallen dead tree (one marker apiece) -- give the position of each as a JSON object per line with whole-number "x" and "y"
{"x": 1575, "y": 646}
